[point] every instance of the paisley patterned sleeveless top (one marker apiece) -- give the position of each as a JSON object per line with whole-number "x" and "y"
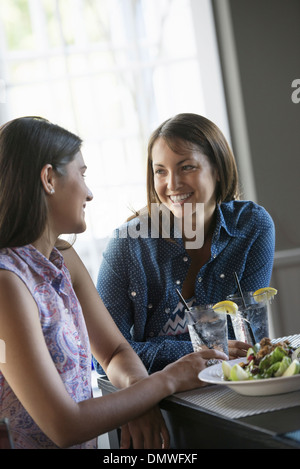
{"x": 65, "y": 334}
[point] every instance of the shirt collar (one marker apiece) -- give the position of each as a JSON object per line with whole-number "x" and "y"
{"x": 50, "y": 269}
{"x": 227, "y": 221}
{"x": 224, "y": 219}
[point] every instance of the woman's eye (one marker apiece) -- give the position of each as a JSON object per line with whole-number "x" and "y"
{"x": 187, "y": 167}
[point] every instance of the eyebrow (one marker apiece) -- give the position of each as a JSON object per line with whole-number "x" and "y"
{"x": 177, "y": 164}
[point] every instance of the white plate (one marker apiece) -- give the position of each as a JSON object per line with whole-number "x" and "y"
{"x": 256, "y": 387}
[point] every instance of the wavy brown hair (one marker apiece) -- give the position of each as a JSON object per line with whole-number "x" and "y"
{"x": 27, "y": 144}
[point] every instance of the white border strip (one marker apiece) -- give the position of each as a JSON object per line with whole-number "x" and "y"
{"x": 209, "y": 64}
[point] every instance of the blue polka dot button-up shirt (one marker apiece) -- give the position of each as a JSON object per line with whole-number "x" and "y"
{"x": 139, "y": 275}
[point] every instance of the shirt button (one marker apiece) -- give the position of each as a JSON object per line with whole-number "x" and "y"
{"x": 66, "y": 310}
{"x": 185, "y": 259}
{"x": 178, "y": 282}
{"x": 150, "y": 305}
{"x": 133, "y": 293}
{"x": 199, "y": 279}
{"x": 222, "y": 276}
{"x": 151, "y": 334}
{"x": 167, "y": 310}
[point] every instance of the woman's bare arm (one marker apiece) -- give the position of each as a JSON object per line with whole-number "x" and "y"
{"x": 34, "y": 379}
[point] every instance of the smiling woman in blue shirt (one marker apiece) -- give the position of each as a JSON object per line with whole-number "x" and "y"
{"x": 190, "y": 165}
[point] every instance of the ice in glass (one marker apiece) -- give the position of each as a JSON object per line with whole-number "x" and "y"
{"x": 207, "y": 328}
{"x": 256, "y": 312}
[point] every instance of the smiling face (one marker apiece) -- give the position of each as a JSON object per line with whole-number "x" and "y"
{"x": 67, "y": 203}
{"x": 183, "y": 178}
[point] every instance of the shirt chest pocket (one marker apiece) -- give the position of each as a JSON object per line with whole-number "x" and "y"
{"x": 219, "y": 284}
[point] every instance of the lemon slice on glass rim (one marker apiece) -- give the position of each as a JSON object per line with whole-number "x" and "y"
{"x": 269, "y": 293}
{"x": 226, "y": 307}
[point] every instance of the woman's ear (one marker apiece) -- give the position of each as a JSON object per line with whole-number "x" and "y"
{"x": 47, "y": 178}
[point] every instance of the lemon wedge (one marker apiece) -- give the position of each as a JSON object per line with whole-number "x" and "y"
{"x": 268, "y": 291}
{"x": 226, "y": 307}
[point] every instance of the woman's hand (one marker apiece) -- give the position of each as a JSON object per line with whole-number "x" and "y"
{"x": 183, "y": 373}
{"x": 237, "y": 349}
{"x": 146, "y": 432}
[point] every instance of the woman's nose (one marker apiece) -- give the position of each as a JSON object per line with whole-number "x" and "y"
{"x": 173, "y": 181}
{"x": 89, "y": 196}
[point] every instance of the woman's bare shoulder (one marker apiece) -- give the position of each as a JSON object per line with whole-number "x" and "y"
{"x": 11, "y": 284}
{"x": 74, "y": 264}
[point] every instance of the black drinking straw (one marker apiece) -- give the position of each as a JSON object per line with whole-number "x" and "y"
{"x": 182, "y": 299}
{"x": 240, "y": 290}
{"x": 245, "y": 307}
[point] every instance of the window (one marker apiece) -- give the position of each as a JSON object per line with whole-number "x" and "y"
{"x": 110, "y": 71}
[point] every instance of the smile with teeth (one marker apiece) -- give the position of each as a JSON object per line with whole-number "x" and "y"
{"x": 177, "y": 199}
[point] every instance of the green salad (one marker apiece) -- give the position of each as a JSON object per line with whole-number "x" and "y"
{"x": 265, "y": 360}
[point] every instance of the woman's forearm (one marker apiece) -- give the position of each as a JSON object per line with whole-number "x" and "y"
{"x": 125, "y": 367}
{"x": 102, "y": 414}
{"x": 96, "y": 416}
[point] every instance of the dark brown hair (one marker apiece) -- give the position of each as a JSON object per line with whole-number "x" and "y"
{"x": 27, "y": 144}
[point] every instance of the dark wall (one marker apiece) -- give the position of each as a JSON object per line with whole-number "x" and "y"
{"x": 267, "y": 40}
